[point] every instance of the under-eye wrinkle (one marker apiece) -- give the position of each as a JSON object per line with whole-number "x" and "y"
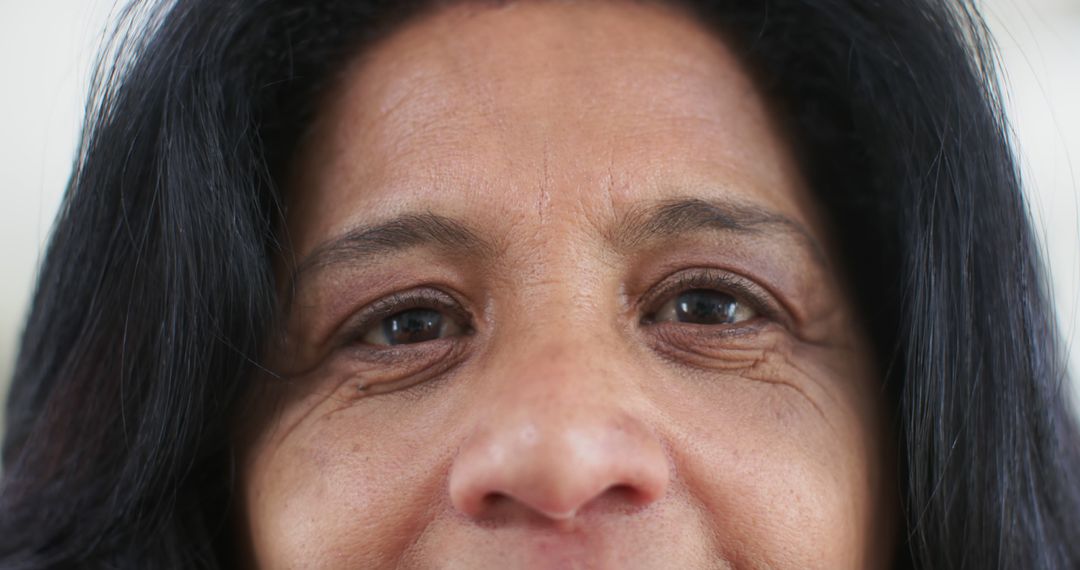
{"x": 379, "y": 370}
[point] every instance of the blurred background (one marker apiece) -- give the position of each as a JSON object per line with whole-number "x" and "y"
{"x": 47, "y": 49}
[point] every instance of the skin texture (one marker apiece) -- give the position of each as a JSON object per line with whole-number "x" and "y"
{"x": 549, "y": 176}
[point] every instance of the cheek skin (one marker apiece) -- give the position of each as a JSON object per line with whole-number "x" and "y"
{"x": 333, "y": 490}
{"x": 776, "y": 457}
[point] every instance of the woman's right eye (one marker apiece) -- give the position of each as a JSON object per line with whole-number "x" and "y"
{"x": 411, "y": 326}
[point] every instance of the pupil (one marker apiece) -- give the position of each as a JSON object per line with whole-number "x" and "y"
{"x": 703, "y": 307}
{"x": 414, "y": 325}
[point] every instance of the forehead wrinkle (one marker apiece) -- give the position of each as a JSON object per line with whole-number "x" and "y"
{"x": 451, "y": 57}
{"x": 462, "y": 48}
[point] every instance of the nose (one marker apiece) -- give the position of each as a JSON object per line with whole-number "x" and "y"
{"x": 559, "y": 438}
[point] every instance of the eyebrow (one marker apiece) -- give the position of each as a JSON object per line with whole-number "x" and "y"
{"x": 687, "y": 215}
{"x": 666, "y": 220}
{"x": 368, "y": 243}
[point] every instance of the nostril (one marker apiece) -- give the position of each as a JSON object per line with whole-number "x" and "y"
{"x": 625, "y": 497}
{"x": 623, "y": 491}
{"x": 493, "y": 500}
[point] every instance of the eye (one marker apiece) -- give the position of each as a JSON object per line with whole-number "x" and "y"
{"x": 703, "y": 307}
{"x": 709, "y": 297}
{"x": 410, "y": 327}
{"x": 413, "y": 317}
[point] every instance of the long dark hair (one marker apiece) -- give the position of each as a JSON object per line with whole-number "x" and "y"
{"x": 157, "y": 291}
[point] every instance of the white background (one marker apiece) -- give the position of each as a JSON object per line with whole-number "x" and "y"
{"x": 47, "y": 48}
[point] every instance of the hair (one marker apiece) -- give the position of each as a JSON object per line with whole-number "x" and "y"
{"x": 157, "y": 290}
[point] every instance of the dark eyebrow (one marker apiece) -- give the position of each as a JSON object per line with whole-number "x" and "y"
{"x": 687, "y": 215}
{"x": 367, "y": 243}
{"x": 666, "y": 220}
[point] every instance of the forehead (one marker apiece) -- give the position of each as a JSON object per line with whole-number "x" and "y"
{"x": 539, "y": 112}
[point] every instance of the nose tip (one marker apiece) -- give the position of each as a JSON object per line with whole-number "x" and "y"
{"x": 557, "y": 473}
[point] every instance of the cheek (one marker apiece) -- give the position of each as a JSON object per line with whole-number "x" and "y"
{"x": 780, "y": 459}
{"x": 773, "y": 458}
{"x": 325, "y": 495}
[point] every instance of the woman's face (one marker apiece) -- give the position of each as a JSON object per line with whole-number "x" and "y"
{"x": 559, "y": 298}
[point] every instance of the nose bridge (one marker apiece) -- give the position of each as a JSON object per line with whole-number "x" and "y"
{"x": 555, "y": 394}
{"x": 554, "y": 350}
{"x": 560, "y": 432}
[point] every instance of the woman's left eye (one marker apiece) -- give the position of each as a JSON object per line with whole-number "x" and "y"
{"x": 703, "y": 307}
{"x": 411, "y": 326}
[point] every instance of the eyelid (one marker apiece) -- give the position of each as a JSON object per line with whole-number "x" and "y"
{"x": 743, "y": 289}
{"x": 421, "y": 297}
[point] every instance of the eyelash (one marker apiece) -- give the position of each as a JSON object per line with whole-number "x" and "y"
{"x": 741, "y": 288}
{"x": 422, "y": 298}
{"x": 431, "y": 298}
